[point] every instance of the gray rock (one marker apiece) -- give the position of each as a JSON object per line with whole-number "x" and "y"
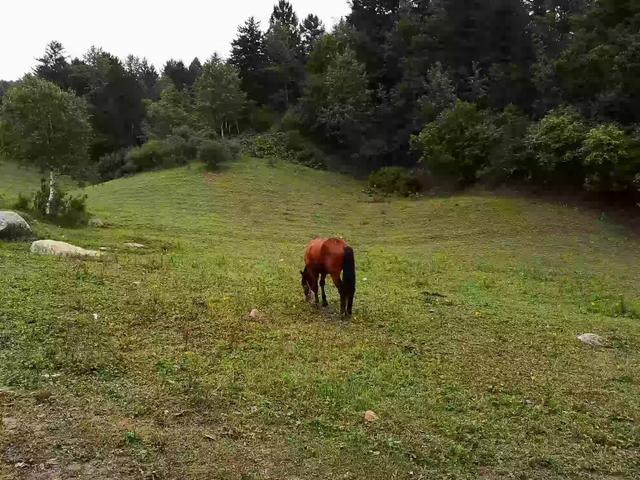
{"x": 13, "y": 226}
{"x": 592, "y": 340}
{"x": 61, "y": 249}
{"x": 96, "y": 223}
{"x": 133, "y": 245}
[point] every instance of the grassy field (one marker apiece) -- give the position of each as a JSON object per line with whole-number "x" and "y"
{"x": 145, "y": 364}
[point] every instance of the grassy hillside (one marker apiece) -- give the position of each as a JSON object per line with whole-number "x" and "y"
{"x": 463, "y": 340}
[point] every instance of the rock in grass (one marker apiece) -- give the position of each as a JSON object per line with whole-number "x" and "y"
{"x": 13, "y": 226}
{"x": 96, "y": 223}
{"x": 592, "y": 340}
{"x": 61, "y": 249}
{"x": 370, "y": 416}
{"x": 133, "y": 245}
{"x": 254, "y": 313}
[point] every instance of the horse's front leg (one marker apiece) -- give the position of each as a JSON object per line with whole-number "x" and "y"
{"x": 314, "y": 288}
{"x": 324, "y": 295}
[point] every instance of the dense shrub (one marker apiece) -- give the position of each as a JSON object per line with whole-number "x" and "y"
{"x": 289, "y": 146}
{"x": 111, "y": 165}
{"x": 214, "y": 152}
{"x": 458, "y": 143}
{"x": 23, "y": 204}
{"x": 509, "y": 159}
{"x": 394, "y": 180}
{"x": 66, "y": 209}
{"x": 555, "y": 143}
{"x": 170, "y": 152}
{"x": 610, "y": 159}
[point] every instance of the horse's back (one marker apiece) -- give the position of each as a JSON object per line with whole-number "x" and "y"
{"x": 325, "y": 255}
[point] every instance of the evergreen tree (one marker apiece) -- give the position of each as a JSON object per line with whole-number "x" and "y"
{"x": 53, "y": 66}
{"x": 248, "y": 57}
{"x": 311, "y": 30}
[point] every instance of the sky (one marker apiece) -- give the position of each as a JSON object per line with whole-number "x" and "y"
{"x": 156, "y": 29}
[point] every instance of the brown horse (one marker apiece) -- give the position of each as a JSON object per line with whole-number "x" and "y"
{"x": 329, "y": 257}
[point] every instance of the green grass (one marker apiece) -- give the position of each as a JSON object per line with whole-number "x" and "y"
{"x": 463, "y": 339}
{"x": 17, "y": 179}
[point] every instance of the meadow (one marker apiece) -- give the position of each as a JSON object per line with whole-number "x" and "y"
{"x": 145, "y": 363}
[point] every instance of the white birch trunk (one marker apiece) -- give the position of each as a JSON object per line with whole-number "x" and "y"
{"x": 52, "y": 184}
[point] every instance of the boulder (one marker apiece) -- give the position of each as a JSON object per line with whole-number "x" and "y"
{"x": 592, "y": 340}
{"x": 61, "y": 249}
{"x": 13, "y": 226}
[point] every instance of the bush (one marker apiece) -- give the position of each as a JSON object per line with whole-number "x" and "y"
{"x": 23, "y": 204}
{"x": 394, "y": 180}
{"x": 555, "y": 143}
{"x": 111, "y": 165}
{"x": 609, "y": 160}
{"x": 214, "y": 152}
{"x": 290, "y": 146}
{"x": 66, "y": 209}
{"x": 509, "y": 158}
{"x": 458, "y": 143}
{"x": 170, "y": 152}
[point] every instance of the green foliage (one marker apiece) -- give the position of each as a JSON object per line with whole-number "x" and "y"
{"x": 249, "y": 58}
{"x": 154, "y": 154}
{"x": 290, "y": 146}
{"x": 172, "y": 110}
{"x": 219, "y": 99}
{"x": 394, "y": 180}
{"x": 458, "y": 143}
{"x": 599, "y": 70}
{"x": 23, "y": 204}
{"x": 555, "y": 142}
{"x": 65, "y": 209}
{"x": 45, "y": 125}
{"x": 111, "y": 165}
{"x": 509, "y": 159}
{"x": 215, "y": 152}
{"x": 610, "y": 159}
{"x": 440, "y": 92}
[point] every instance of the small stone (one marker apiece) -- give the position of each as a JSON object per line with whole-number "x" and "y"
{"x": 9, "y": 423}
{"x": 96, "y": 223}
{"x": 370, "y": 416}
{"x": 133, "y": 245}
{"x": 104, "y": 249}
{"x": 21, "y": 465}
{"x": 254, "y": 313}
{"x": 592, "y": 340}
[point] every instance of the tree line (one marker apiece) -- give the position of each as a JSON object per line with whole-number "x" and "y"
{"x": 539, "y": 91}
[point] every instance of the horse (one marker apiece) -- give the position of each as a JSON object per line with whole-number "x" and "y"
{"x": 328, "y": 257}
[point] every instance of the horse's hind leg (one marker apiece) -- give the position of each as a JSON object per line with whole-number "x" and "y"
{"x": 324, "y": 295}
{"x": 350, "y": 304}
{"x": 343, "y": 297}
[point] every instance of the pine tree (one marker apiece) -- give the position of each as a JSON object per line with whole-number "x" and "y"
{"x": 53, "y": 66}
{"x": 248, "y": 57}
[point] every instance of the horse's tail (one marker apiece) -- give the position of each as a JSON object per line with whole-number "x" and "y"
{"x": 349, "y": 270}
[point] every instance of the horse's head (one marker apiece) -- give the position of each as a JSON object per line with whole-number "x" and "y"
{"x": 306, "y": 285}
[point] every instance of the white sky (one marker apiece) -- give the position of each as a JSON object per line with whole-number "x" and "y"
{"x": 156, "y": 29}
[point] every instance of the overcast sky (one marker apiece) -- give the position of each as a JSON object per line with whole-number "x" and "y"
{"x": 156, "y": 29}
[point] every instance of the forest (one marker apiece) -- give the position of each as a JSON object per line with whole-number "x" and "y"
{"x": 538, "y": 92}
